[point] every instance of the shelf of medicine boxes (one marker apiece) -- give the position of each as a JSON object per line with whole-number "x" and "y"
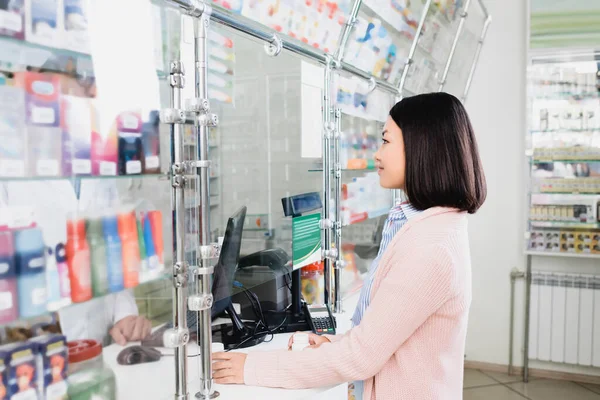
{"x": 561, "y": 254}
{"x": 75, "y": 178}
{"x": 19, "y": 55}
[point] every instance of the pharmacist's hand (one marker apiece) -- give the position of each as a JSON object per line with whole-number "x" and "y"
{"x": 228, "y": 368}
{"x": 315, "y": 341}
{"x": 130, "y": 329}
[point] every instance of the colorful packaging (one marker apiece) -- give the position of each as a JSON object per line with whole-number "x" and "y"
{"x": 12, "y": 125}
{"x": 105, "y": 146}
{"x": 78, "y": 259}
{"x": 76, "y": 34}
{"x": 8, "y": 279}
{"x": 76, "y": 136}
{"x": 43, "y": 22}
{"x": 44, "y": 136}
{"x": 31, "y": 270}
{"x": 155, "y": 219}
{"x": 95, "y": 237}
{"x": 131, "y": 250}
{"x": 114, "y": 254}
{"x": 51, "y": 362}
{"x": 21, "y": 371}
{"x": 3, "y": 374}
{"x": 12, "y": 21}
{"x": 151, "y": 143}
{"x": 131, "y": 151}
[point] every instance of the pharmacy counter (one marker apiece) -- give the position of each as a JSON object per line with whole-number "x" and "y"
{"x": 155, "y": 381}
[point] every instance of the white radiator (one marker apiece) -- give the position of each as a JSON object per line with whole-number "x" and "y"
{"x": 565, "y": 318}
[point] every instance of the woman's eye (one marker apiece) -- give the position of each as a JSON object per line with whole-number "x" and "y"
{"x": 384, "y": 141}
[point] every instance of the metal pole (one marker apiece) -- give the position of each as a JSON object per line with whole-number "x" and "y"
{"x": 326, "y": 223}
{"x": 461, "y": 26}
{"x": 413, "y": 47}
{"x": 346, "y": 32}
{"x": 339, "y": 263}
{"x": 258, "y": 31}
{"x": 202, "y": 301}
{"x": 486, "y": 26}
{"x": 527, "y": 317}
{"x": 177, "y": 337}
{"x": 514, "y": 275}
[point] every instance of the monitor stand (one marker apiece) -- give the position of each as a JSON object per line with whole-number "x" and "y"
{"x": 294, "y": 319}
{"x": 238, "y": 334}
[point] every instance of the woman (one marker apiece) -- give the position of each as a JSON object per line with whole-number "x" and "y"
{"x": 410, "y": 325}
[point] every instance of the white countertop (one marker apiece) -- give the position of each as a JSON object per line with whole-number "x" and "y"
{"x": 159, "y": 377}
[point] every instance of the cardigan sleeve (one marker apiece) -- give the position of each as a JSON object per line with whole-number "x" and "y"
{"x": 408, "y": 296}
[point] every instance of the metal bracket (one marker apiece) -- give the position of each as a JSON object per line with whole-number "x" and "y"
{"x": 178, "y": 169}
{"x": 340, "y": 264}
{"x": 180, "y": 276}
{"x": 200, "y": 164}
{"x": 176, "y": 337}
{"x": 198, "y": 8}
{"x": 325, "y": 224}
{"x": 178, "y": 181}
{"x": 372, "y": 85}
{"x": 330, "y": 254}
{"x": 274, "y": 47}
{"x": 210, "y": 120}
{"x": 177, "y": 67}
{"x": 204, "y": 270}
{"x": 210, "y": 251}
{"x": 177, "y": 81}
{"x": 200, "y": 302}
{"x": 172, "y": 116}
{"x": 198, "y": 105}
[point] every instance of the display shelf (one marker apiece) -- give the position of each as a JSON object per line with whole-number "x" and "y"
{"x": 568, "y": 225}
{"x": 569, "y": 96}
{"x": 357, "y": 218}
{"x": 563, "y": 160}
{"x": 317, "y": 169}
{"x": 84, "y": 178}
{"x": 562, "y": 254}
{"x": 566, "y": 130}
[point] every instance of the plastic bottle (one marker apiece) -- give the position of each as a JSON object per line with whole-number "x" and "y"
{"x": 153, "y": 261}
{"x": 130, "y": 248}
{"x": 155, "y": 218}
{"x": 31, "y": 269}
{"x": 144, "y": 269}
{"x": 63, "y": 271}
{"x": 114, "y": 254}
{"x": 9, "y": 310}
{"x": 78, "y": 260}
{"x": 95, "y": 237}
{"x": 300, "y": 341}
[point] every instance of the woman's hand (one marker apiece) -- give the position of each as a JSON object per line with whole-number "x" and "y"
{"x": 315, "y": 341}
{"x": 228, "y": 368}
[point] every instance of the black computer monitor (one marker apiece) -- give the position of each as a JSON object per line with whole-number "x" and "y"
{"x": 227, "y": 264}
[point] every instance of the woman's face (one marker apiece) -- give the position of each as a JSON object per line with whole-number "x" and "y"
{"x": 390, "y": 158}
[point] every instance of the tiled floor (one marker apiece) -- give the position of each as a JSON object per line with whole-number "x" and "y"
{"x": 479, "y": 385}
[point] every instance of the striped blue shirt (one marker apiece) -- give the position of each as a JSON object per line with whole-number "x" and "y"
{"x": 397, "y": 217}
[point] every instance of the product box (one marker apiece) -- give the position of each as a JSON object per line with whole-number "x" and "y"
{"x": 51, "y": 362}
{"x": 12, "y": 20}
{"x": 20, "y": 371}
{"x": 76, "y": 34}
{"x": 12, "y": 126}
{"x": 43, "y": 22}
{"x": 105, "y": 145}
{"x": 131, "y": 152}
{"x": 76, "y": 136}
{"x": 151, "y": 143}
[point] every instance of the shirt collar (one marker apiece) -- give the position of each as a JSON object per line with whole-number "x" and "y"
{"x": 403, "y": 211}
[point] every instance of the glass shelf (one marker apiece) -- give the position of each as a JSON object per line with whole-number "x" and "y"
{"x": 83, "y": 178}
{"x": 569, "y": 96}
{"x": 574, "y": 193}
{"x": 561, "y": 254}
{"x": 568, "y": 225}
{"x": 566, "y": 130}
{"x": 558, "y": 160}
{"x": 320, "y": 169}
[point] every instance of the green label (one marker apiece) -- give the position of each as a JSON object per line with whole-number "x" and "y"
{"x": 306, "y": 240}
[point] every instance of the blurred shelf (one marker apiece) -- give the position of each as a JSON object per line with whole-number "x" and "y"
{"x": 569, "y": 96}
{"x": 574, "y": 193}
{"x": 564, "y": 160}
{"x": 316, "y": 169}
{"x": 561, "y": 254}
{"x": 361, "y": 217}
{"x": 83, "y": 178}
{"x": 569, "y": 225}
{"x": 565, "y": 130}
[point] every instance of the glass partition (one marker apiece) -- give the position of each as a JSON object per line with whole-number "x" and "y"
{"x": 85, "y": 200}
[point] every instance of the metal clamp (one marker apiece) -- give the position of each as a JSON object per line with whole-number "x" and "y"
{"x": 177, "y": 81}
{"x": 372, "y": 85}
{"x": 204, "y": 270}
{"x": 198, "y": 8}
{"x": 210, "y": 120}
{"x": 180, "y": 275}
{"x": 209, "y": 251}
{"x": 330, "y": 254}
{"x": 177, "y": 67}
{"x": 200, "y": 164}
{"x": 326, "y": 224}
{"x": 176, "y": 337}
{"x": 274, "y": 47}
{"x": 172, "y": 116}
{"x": 178, "y": 181}
{"x": 198, "y": 105}
{"x": 340, "y": 264}
{"x": 200, "y": 302}
{"x": 178, "y": 169}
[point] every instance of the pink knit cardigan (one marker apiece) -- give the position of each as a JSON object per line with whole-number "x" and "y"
{"x": 411, "y": 341}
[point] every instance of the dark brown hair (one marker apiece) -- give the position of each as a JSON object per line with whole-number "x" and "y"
{"x": 443, "y": 167}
